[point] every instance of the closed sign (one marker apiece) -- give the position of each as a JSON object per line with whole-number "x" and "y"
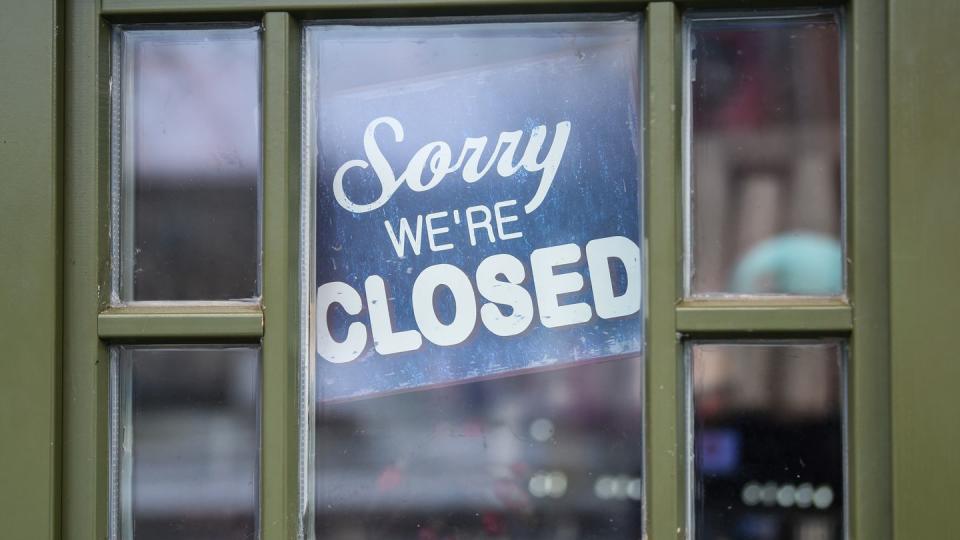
{"x": 477, "y": 205}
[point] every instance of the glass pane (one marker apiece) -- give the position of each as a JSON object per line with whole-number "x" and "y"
{"x": 476, "y": 306}
{"x": 188, "y": 442}
{"x": 557, "y": 454}
{"x": 768, "y": 440}
{"x": 189, "y": 163}
{"x": 765, "y": 154}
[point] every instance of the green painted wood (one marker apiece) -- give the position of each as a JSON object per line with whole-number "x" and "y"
{"x": 173, "y": 322}
{"x": 85, "y": 254}
{"x": 146, "y": 7}
{"x": 86, "y": 276}
{"x": 924, "y": 265}
{"x": 30, "y": 251}
{"x": 665, "y": 466}
{"x": 868, "y": 367}
{"x": 753, "y": 317}
{"x": 280, "y": 426}
{"x": 176, "y": 7}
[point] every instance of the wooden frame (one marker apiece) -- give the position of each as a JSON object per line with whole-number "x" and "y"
{"x": 75, "y": 276}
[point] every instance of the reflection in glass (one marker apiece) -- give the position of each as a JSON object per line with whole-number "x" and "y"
{"x": 765, "y": 154}
{"x": 528, "y": 435}
{"x": 768, "y": 441}
{"x": 551, "y": 455}
{"x": 189, "y": 144}
{"x": 189, "y": 442}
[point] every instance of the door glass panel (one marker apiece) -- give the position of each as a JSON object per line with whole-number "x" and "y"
{"x": 768, "y": 440}
{"x": 474, "y": 268}
{"x": 187, "y": 439}
{"x": 549, "y": 455}
{"x": 187, "y": 163}
{"x": 764, "y": 154}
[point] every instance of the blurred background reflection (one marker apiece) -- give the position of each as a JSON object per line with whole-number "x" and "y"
{"x": 190, "y": 146}
{"x": 765, "y": 154}
{"x": 189, "y": 455}
{"x": 768, "y": 441}
{"x": 549, "y": 455}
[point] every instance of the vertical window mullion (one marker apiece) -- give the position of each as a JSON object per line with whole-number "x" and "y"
{"x": 85, "y": 484}
{"x": 280, "y": 447}
{"x": 868, "y": 437}
{"x": 665, "y": 432}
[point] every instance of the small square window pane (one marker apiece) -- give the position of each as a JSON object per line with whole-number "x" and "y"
{"x": 764, "y": 154}
{"x": 187, "y": 441}
{"x": 187, "y": 162}
{"x": 768, "y": 440}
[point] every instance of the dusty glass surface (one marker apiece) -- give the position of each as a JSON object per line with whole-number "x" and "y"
{"x": 768, "y": 436}
{"x": 476, "y": 312}
{"x": 764, "y": 154}
{"x": 187, "y": 158}
{"x": 551, "y": 455}
{"x": 188, "y": 443}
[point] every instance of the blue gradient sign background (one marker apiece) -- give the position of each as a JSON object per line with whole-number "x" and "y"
{"x": 447, "y": 83}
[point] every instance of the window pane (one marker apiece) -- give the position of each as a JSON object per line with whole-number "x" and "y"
{"x": 765, "y": 154}
{"x": 549, "y": 455}
{"x": 189, "y": 442}
{"x": 768, "y": 440}
{"x": 475, "y": 308}
{"x": 189, "y": 163}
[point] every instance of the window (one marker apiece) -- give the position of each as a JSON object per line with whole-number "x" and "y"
{"x": 478, "y": 361}
{"x": 603, "y": 442}
{"x": 186, "y": 441}
{"x": 186, "y": 163}
{"x": 764, "y": 153}
{"x": 767, "y": 438}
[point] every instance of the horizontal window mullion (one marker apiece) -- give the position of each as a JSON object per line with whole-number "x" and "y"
{"x": 700, "y": 318}
{"x": 164, "y": 323}
{"x": 159, "y": 7}
{"x": 153, "y": 7}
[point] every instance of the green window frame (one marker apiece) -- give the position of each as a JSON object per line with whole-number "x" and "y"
{"x": 72, "y": 247}
{"x": 671, "y": 321}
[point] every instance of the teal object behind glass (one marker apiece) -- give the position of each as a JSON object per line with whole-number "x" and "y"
{"x": 802, "y": 264}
